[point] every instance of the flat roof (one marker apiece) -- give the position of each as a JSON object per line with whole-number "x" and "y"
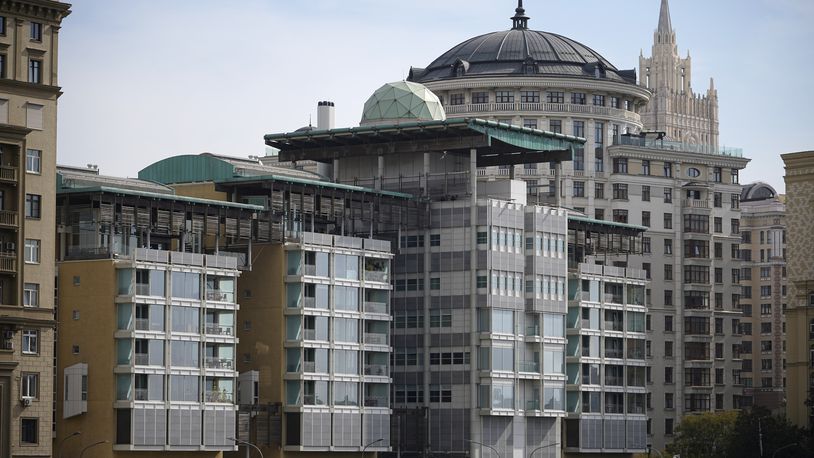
{"x": 496, "y": 143}
{"x": 325, "y": 184}
{"x": 602, "y": 222}
{"x": 159, "y": 196}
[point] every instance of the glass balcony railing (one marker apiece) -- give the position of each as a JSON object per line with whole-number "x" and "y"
{"x": 534, "y": 404}
{"x": 376, "y": 307}
{"x": 373, "y": 275}
{"x": 529, "y": 366}
{"x": 142, "y": 324}
{"x": 219, "y": 396}
{"x": 375, "y": 338}
{"x": 214, "y": 362}
{"x": 220, "y": 295}
{"x": 141, "y": 394}
{"x": 533, "y": 331}
{"x": 376, "y": 401}
{"x": 142, "y": 359}
{"x": 309, "y": 366}
{"x": 376, "y": 369}
{"x": 219, "y": 329}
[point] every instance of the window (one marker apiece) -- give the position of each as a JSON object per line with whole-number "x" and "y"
{"x": 2, "y": 65}
{"x": 716, "y": 200}
{"x": 765, "y": 309}
{"x": 668, "y": 323}
{"x": 646, "y": 267}
{"x": 31, "y": 295}
{"x": 620, "y": 165}
{"x": 645, "y": 167}
{"x": 766, "y": 291}
{"x": 28, "y": 431}
{"x": 668, "y": 195}
{"x": 716, "y": 174}
{"x": 33, "y": 116}
{"x": 32, "y": 251}
{"x": 579, "y": 189}
{"x": 530, "y": 124}
{"x": 456, "y": 99}
{"x": 735, "y": 176}
{"x": 599, "y": 190}
{"x": 36, "y": 31}
{"x": 578, "y": 98}
{"x": 29, "y": 385}
{"x": 614, "y": 102}
{"x": 504, "y": 97}
{"x": 668, "y": 298}
{"x": 435, "y": 239}
{"x": 599, "y": 100}
{"x": 620, "y": 216}
{"x": 668, "y": 169}
{"x": 33, "y": 161}
{"x": 668, "y": 269}
{"x": 2, "y": 25}
{"x": 668, "y": 375}
{"x": 555, "y": 125}
{"x": 35, "y": 71}
{"x": 529, "y": 97}
{"x": 735, "y": 226}
{"x": 735, "y": 201}
{"x": 555, "y": 97}
{"x": 620, "y": 191}
{"x": 599, "y": 213}
{"x": 696, "y": 223}
{"x": 668, "y": 220}
{"x": 33, "y": 206}
{"x": 480, "y": 97}
{"x": 692, "y": 172}
{"x": 646, "y": 218}
{"x": 645, "y": 193}
{"x": 31, "y": 342}
{"x": 696, "y": 274}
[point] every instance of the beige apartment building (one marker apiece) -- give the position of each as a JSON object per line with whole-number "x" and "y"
{"x": 800, "y": 310}
{"x": 763, "y": 296}
{"x": 29, "y": 32}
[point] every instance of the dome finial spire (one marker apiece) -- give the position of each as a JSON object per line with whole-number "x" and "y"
{"x": 520, "y": 20}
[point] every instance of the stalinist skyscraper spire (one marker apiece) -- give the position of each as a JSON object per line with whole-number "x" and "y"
{"x": 675, "y": 109}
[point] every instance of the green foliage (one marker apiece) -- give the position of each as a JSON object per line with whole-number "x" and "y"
{"x": 737, "y": 434}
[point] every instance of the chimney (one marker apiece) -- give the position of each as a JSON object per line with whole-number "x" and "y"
{"x": 325, "y": 115}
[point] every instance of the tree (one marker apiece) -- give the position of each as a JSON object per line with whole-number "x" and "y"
{"x": 757, "y": 426}
{"x": 704, "y": 435}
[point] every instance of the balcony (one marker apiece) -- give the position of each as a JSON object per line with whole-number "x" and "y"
{"x": 694, "y": 203}
{"x": 308, "y": 366}
{"x": 373, "y": 275}
{"x": 219, "y": 396}
{"x": 376, "y": 307}
{"x": 142, "y": 324}
{"x": 220, "y": 296}
{"x": 379, "y": 370}
{"x": 376, "y": 401}
{"x": 141, "y": 394}
{"x": 219, "y": 363}
{"x": 142, "y": 359}
{"x": 309, "y": 269}
{"x": 543, "y": 107}
{"x": 530, "y": 366}
{"x": 8, "y": 218}
{"x": 614, "y": 353}
{"x": 8, "y": 262}
{"x": 8, "y": 174}
{"x": 375, "y": 338}
{"x": 534, "y": 404}
{"x": 309, "y": 334}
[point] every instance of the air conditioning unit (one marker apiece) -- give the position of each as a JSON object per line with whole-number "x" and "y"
{"x": 8, "y": 334}
{"x": 26, "y": 401}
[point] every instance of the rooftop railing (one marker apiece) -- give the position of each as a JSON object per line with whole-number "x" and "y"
{"x": 678, "y": 146}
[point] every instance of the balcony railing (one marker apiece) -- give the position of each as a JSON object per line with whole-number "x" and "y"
{"x": 219, "y": 330}
{"x": 142, "y": 324}
{"x": 542, "y": 107}
{"x": 694, "y": 203}
{"x": 373, "y": 275}
{"x": 376, "y": 401}
{"x": 142, "y": 359}
{"x": 376, "y": 307}
{"x": 309, "y": 334}
{"x": 220, "y": 296}
{"x": 309, "y": 269}
{"x": 376, "y": 369}
{"x": 8, "y": 262}
{"x": 8, "y": 173}
{"x": 219, "y": 396}
{"x": 533, "y": 331}
{"x": 613, "y": 353}
{"x": 309, "y": 302}
{"x": 529, "y": 366}
{"x": 614, "y": 408}
{"x": 375, "y": 338}
{"x": 534, "y": 404}
{"x": 141, "y": 394}
{"x": 219, "y": 363}
{"x": 614, "y": 381}
{"x": 677, "y": 146}
{"x": 8, "y": 218}
{"x": 309, "y": 366}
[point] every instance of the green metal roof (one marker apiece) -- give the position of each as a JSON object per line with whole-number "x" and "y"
{"x": 402, "y": 100}
{"x": 187, "y": 168}
{"x": 157, "y": 196}
{"x": 324, "y": 184}
{"x": 602, "y": 222}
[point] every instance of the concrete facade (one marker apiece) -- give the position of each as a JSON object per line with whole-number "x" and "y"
{"x": 29, "y": 89}
{"x": 800, "y": 309}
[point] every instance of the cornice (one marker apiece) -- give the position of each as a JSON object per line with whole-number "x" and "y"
{"x": 677, "y": 156}
{"x": 540, "y": 81}
{"x": 46, "y": 10}
{"x": 35, "y": 90}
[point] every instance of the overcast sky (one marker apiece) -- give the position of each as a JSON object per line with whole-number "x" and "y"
{"x": 148, "y": 79}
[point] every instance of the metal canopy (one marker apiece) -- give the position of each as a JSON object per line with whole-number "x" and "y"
{"x": 496, "y": 143}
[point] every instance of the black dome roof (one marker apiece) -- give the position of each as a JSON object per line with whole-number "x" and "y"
{"x": 520, "y": 51}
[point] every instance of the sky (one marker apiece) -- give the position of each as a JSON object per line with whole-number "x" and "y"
{"x": 148, "y": 79}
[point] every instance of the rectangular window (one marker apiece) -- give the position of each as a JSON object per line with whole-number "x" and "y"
{"x": 620, "y": 191}
{"x": 2, "y": 65}
{"x": 35, "y": 71}
{"x": 530, "y": 124}
{"x": 716, "y": 174}
{"x": 578, "y": 98}
{"x": 614, "y": 102}
{"x": 31, "y": 295}
{"x": 579, "y": 189}
{"x": 555, "y": 97}
{"x": 435, "y": 239}
{"x": 645, "y": 167}
{"x": 620, "y": 165}
{"x": 33, "y": 206}
{"x": 555, "y": 125}
{"x": 31, "y": 342}
{"x": 716, "y": 200}
{"x": 668, "y": 169}
{"x": 32, "y": 251}
{"x": 29, "y": 385}
{"x": 504, "y": 97}
{"x": 2, "y": 25}
{"x": 529, "y": 97}
{"x": 36, "y": 31}
{"x": 599, "y": 100}
{"x": 735, "y": 176}
{"x": 33, "y": 161}
{"x": 718, "y": 226}
{"x": 645, "y": 193}
{"x": 620, "y": 216}
{"x": 668, "y": 195}
{"x": 480, "y": 97}
{"x": 646, "y": 218}
{"x": 456, "y": 99}
{"x": 668, "y": 271}
{"x": 28, "y": 431}
{"x": 599, "y": 190}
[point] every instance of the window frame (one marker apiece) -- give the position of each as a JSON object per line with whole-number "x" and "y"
{"x": 30, "y": 342}
{"x": 33, "y": 156}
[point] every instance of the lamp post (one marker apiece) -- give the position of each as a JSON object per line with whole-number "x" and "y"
{"x": 59, "y": 447}
{"x": 484, "y": 445}
{"x": 92, "y": 445}
{"x": 650, "y": 448}
{"x": 542, "y": 447}
{"x": 238, "y": 441}
{"x": 368, "y": 445}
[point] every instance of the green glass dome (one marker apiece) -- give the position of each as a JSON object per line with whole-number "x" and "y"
{"x": 402, "y": 101}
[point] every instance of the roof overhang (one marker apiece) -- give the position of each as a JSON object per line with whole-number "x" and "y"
{"x": 496, "y": 143}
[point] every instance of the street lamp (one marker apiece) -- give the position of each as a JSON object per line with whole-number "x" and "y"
{"x": 92, "y": 445}
{"x": 542, "y": 447}
{"x": 368, "y": 445}
{"x": 783, "y": 447}
{"x": 238, "y": 441}
{"x": 484, "y": 445}
{"x": 650, "y": 449}
{"x": 59, "y": 447}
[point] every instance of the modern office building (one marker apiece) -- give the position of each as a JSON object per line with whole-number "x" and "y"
{"x": 29, "y": 89}
{"x": 800, "y": 310}
{"x": 147, "y": 311}
{"x": 763, "y": 297}
{"x": 605, "y": 356}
